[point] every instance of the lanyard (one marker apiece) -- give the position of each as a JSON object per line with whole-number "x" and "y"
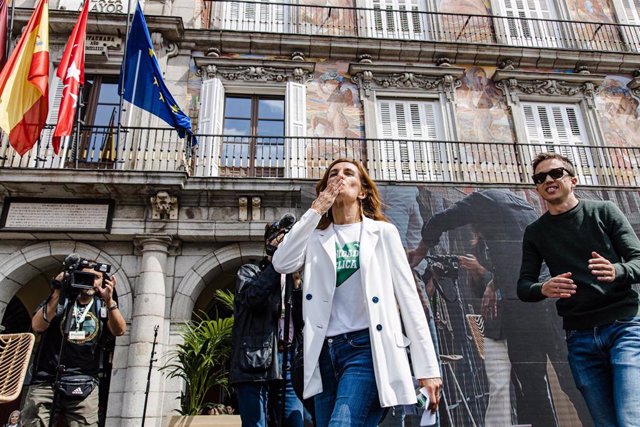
{"x": 79, "y": 316}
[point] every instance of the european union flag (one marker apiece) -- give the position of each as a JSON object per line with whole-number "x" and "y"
{"x": 143, "y": 83}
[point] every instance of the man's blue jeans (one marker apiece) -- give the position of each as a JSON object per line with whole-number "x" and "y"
{"x": 349, "y": 393}
{"x": 605, "y": 362}
{"x": 294, "y": 413}
{"x": 252, "y": 403}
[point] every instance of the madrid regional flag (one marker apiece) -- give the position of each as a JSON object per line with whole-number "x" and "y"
{"x": 24, "y": 83}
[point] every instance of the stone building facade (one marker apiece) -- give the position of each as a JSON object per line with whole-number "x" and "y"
{"x": 437, "y": 98}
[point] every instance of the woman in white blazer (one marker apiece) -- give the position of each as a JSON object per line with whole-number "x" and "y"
{"x": 356, "y": 277}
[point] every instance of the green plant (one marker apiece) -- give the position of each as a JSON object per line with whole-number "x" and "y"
{"x": 202, "y": 357}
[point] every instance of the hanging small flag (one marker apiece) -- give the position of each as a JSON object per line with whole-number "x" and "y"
{"x": 142, "y": 80}
{"x": 24, "y": 83}
{"x": 71, "y": 73}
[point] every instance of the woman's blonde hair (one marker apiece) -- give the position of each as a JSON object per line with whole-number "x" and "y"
{"x": 371, "y": 204}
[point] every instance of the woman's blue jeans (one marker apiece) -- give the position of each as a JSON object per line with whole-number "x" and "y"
{"x": 350, "y": 395}
{"x": 605, "y": 362}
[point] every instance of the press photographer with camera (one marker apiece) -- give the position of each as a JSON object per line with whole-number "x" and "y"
{"x": 261, "y": 340}
{"x": 72, "y": 321}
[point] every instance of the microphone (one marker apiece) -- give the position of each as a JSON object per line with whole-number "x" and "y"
{"x": 71, "y": 260}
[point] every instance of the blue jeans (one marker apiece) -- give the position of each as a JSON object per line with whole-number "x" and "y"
{"x": 252, "y": 403}
{"x": 605, "y": 362}
{"x": 293, "y": 410}
{"x": 349, "y": 395}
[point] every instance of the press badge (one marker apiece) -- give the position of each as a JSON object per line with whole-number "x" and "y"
{"x": 103, "y": 312}
{"x": 77, "y": 335}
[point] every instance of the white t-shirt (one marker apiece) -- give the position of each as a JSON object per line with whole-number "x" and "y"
{"x": 348, "y": 312}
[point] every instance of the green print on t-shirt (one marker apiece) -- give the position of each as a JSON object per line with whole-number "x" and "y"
{"x": 347, "y": 261}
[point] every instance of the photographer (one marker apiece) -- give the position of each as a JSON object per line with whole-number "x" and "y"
{"x": 65, "y": 372}
{"x": 258, "y": 339}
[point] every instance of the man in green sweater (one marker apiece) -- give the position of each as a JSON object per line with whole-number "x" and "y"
{"x": 593, "y": 255}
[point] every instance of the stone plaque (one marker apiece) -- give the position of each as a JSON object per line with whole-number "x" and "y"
{"x": 56, "y": 215}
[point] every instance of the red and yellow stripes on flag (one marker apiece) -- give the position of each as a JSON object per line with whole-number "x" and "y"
{"x": 24, "y": 83}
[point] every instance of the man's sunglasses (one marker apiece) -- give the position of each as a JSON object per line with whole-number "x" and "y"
{"x": 555, "y": 173}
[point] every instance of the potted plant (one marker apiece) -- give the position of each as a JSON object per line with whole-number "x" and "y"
{"x": 201, "y": 362}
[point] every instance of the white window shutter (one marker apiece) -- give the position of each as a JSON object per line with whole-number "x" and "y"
{"x": 397, "y": 19}
{"x": 407, "y": 151}
{"x": 261, "y": 15}
{"x": 527, "y": 32}
{"x": 210, "y": 127}
{"x": 628, "y": 11}
{"x": 560, "y": 128}
{"x": 296, "y": 129}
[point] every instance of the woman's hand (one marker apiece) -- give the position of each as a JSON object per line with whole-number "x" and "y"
{"x": 433, "y": 386}
{"x": 325, "y": 199}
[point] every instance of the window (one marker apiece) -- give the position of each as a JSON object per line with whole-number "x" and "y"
{"x": 559, "y": 128}
{"x": 248, "y": 134}
{"x": 101, "y": 114}
{"x": 532, "y": 23}
{"x": 256, "y": 15}
{"x": 628, "y": 12}
{"x": 411, "y": 147}
{"x": 396, "y": 19}
{"x": 253, "y": 142}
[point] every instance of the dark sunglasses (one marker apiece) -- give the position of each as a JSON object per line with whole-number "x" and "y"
{"x": 555, "y": 173}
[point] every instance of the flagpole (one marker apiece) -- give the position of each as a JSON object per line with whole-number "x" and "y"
{"x": 13, "y": 11}
{"x": 78, "y": 124}
{"x": 124, "y": 75}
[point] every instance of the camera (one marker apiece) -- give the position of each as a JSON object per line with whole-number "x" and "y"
{"x": 442, "y": 266}
{"x": 276, "y": 228}
{"x": 78, "y": 279}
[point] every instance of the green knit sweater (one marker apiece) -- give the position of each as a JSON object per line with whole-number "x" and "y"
{"x": 565, "y": 243}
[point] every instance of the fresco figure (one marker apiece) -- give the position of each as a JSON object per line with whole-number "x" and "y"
{"x": 593, "y": 255}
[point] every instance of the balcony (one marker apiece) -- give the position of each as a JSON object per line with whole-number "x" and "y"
{"x": 415, "y": 24}
{"x": 161, "y": 150}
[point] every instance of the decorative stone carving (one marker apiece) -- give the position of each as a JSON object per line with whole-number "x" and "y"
{"x": 385, "y": 76}
{"x": 443, "y": 61}
{"x": 243, "y": 209}
{"x": 252, "y": 70}
{"x": 213, "y": 52}
{"x": 506, "y": 64}
{"x": 634, "y": 84}
{"x": 164, "y": 206}
{"x": 256, "y": 208}
{"x": 365, "y": 58}
{"x": 297, "y": 56}
{"x": 515, "y": 83}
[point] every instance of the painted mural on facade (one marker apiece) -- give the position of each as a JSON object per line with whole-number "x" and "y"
{"x": 481, "y": 110}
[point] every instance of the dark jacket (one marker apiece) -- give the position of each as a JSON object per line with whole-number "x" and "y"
{"x": 257, "y": 307}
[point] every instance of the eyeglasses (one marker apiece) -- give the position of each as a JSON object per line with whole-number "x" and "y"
{"x": 555, "y": 173}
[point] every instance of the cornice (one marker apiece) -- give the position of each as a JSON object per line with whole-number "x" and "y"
{"x": 386, "y": 75}
{"x": 255, "y": 70}
{"x": 516, "y": 83}
{"x": 61, "y": 24}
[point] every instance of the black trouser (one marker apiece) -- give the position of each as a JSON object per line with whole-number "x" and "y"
{"x": 534, "y": 333}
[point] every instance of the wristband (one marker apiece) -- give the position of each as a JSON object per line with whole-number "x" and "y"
{"x": 113, "y": 306}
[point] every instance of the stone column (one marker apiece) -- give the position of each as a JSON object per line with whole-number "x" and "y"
{"x": 148, "y": 311}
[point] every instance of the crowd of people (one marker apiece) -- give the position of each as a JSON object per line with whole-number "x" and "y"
{"x": 334, "y": 326}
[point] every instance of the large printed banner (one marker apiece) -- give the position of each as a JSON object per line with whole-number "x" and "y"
{"x": 504, "y": 361}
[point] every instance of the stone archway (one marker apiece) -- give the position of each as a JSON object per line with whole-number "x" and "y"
{"x": 205, "y": 270}
{"x": 18, "y": 269}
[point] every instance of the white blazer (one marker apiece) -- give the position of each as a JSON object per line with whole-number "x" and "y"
{"x": 387, "y": 282}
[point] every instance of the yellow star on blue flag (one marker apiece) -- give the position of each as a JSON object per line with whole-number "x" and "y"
{"x": 143, "y": 74}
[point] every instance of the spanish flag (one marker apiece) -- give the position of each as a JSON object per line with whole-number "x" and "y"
{"x": 24, "y": 83}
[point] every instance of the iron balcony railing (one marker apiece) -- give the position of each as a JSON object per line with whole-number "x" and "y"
{"x": 160, "y": 149}
{"x": 413, "y": 23}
